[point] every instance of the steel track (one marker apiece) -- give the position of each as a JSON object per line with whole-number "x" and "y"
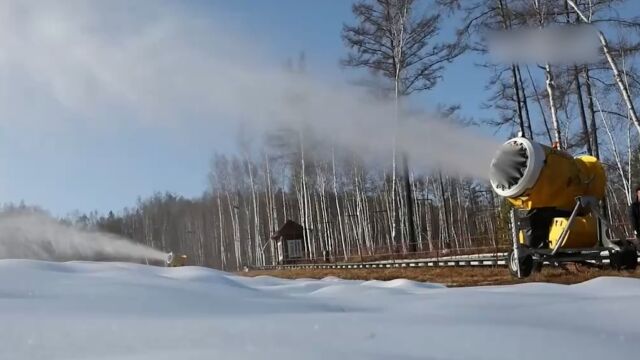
{"x": 483, "y": 260}
{"x": 477, "y": 260}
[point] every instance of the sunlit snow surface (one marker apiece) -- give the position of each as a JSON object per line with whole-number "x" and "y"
{"x": 125, "y": 311}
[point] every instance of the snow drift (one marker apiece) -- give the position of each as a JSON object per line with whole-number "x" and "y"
{"x": 84, "y": 310}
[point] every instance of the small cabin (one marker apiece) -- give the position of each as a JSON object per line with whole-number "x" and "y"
{"x": 290, "y": 243}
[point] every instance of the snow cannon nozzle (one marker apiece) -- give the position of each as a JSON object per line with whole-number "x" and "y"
{"x": 516, "y": 166}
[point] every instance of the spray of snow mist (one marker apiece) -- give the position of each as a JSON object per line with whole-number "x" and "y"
{"x": 39, "y": 237}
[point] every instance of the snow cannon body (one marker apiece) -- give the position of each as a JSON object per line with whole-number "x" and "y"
{"x": 544, "y": 183}
{"x": 176, "y": 260}
{"x": 555, "y": 199}
{"x": 531, "y": 175}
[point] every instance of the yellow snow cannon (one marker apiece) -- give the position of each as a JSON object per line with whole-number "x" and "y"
{"x": 176, "y": 261}
{"x": 531, "y": 175}
{"x": 555, "y": 198}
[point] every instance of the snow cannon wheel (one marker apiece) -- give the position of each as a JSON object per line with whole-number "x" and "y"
{"x": 525, "y": 261}
{"x": 624, "y": 259}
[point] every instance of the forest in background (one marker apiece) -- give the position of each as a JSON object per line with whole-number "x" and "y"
{"x": 350, "y": 207}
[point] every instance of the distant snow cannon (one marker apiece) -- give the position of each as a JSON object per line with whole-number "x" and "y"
{"x": 556, "y": 215}
{"x": 176, "y": 260}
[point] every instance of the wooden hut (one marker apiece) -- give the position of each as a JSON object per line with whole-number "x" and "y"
{"x": 290, "y": 243}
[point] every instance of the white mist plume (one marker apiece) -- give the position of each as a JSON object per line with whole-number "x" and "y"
{"x": 157, "y": 62}
{"x": 36, "y": 236}
{"x": 566, "y": 44}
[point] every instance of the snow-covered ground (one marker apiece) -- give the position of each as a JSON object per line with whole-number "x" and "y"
{"x": 125, "y": 311}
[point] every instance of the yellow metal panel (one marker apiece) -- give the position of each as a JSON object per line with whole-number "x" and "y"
{"x": 582, "y": 234}
{"x": 592, "y": 174}
{"x": 562, "y": 179}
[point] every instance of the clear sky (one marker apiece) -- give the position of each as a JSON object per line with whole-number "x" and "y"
{"x": 76, "y": 165}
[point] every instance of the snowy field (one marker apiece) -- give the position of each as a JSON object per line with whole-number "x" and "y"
{"x": 125, "y": 311}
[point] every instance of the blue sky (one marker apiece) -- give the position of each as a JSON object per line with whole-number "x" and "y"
{"x": 78, "y": 166}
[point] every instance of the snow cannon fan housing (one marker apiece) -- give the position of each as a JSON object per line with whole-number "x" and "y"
{"x": 531, "y": 175}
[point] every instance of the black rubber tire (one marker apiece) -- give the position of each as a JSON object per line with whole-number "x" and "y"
{"x": 537, "y": 267}
{"x": 624, "y": 259}
{"x": 525, "y": 262}
{"x": 615, "y": 259}
{"x": 630, "y": 258}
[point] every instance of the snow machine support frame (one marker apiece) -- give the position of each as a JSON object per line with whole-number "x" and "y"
{"x": 521, "y": 257}
{"x": 516, "y": 244}
{"x": 565, "y": 232}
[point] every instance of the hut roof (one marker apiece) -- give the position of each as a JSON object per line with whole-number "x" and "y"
{"x": 289, "y": 231}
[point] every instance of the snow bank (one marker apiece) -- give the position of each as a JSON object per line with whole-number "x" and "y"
{"x": 84, "y": 310}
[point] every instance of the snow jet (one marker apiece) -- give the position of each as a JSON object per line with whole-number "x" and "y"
{"x": 39, "y": 237}
{"x": 166, "y": 65}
